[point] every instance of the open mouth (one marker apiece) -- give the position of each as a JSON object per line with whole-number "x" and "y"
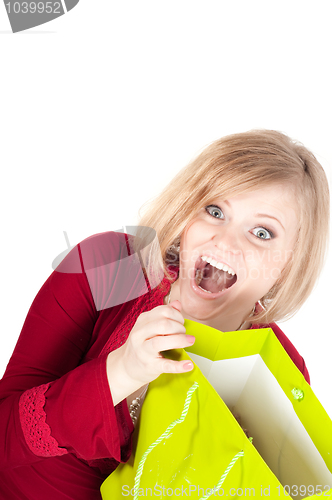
{"x": 212, "y": 276}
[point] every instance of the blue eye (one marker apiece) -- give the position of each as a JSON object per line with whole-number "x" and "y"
{"x": 263, "y": 233}
{"x": 214, "y": 211}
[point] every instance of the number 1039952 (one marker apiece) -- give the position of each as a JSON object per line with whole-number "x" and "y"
{"x": 304, "y": 490}
{"x": 33, "y": 7}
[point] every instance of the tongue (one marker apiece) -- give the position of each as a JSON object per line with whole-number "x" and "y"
{"x": 215, "y": 280}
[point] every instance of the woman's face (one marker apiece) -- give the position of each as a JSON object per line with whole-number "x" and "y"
{"x": 253, "y": 234}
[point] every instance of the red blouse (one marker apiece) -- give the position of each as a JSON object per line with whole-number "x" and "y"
{"x": 60, "y": 435}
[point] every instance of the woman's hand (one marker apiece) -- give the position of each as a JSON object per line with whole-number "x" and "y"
{"x": 139, "y": 360}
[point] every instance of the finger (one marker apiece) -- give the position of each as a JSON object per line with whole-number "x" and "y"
{"x": 171, "y": 366}
{"x": 166, "y": 342}
{"x": 161, "y": 312}
{"x": 173, "y": 311}
{"x": 162, "y": 326}
{"x": 176, "y": 304}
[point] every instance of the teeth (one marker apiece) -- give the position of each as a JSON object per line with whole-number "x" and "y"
{"x": 218, "y": 265}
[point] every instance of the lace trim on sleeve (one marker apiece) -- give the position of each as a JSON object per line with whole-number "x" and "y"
{"x": 36, "y": 431}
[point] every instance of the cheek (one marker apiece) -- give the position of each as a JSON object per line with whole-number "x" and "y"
{"x": 187, "y": 243}
{"x": 268, "y": 269}
{"x": 280, "y": 259}
{"x": 192, "y": 236}
{"x": 187, "y": 258}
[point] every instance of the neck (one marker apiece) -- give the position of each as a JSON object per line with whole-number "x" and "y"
{"x": 224, "y": 323}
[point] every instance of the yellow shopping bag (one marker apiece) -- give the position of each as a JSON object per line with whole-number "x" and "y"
{"x": 188, "y": 443}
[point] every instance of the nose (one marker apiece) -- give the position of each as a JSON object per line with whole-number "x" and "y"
{"x": 227, "y": 240}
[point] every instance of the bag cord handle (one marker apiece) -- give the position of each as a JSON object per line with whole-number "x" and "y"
{"x": 165, "y": 434}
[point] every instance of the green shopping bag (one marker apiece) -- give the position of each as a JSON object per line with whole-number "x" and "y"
{"x": 188, "y": 443}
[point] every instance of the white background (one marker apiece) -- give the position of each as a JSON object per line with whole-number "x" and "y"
{"x": 101, "y": 107}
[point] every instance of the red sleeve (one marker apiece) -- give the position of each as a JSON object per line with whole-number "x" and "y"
{"x": 291, "y": 351}
{"x": 51, "y": 405}
{"x": 289, "y": 348}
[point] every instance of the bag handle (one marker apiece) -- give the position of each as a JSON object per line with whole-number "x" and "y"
{"x": 165, "y": 434}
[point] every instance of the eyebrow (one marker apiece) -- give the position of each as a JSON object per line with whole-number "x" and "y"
{"x": 270, "y": 217}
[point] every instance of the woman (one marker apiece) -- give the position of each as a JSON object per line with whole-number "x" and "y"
{"x": 241, "y": 238}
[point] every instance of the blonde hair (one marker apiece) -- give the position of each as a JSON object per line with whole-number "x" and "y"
{"x": 241, "y": 163}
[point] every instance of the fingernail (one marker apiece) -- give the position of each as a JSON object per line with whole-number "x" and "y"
{"x": 191, "y": 339}
{"x": 188, "y": 366}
